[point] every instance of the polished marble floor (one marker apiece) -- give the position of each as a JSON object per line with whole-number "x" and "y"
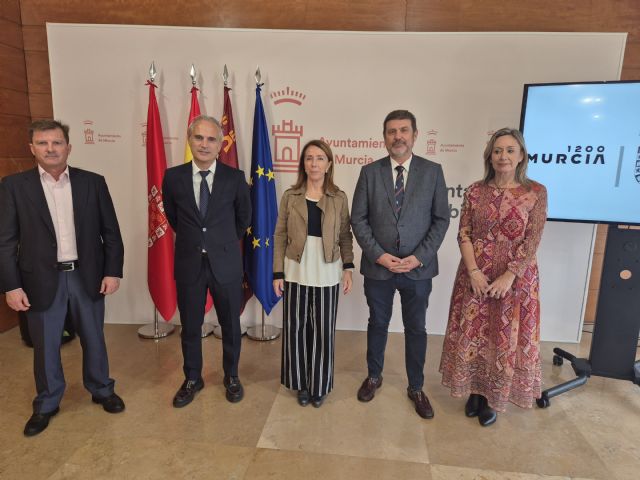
{"x": 589, "y": 433}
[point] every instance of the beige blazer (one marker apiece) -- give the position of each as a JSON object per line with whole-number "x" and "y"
{"x": 291, "y": 230}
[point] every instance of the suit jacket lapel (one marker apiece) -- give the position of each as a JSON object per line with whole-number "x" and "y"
{"x": 36, "y": 196}
{"x": 413, "y": 178}
{"x": 187, "y": 184}
{"x": 219, "y": 182}
{"x": 387, "y": 180}
{"x": 79, "y": 193}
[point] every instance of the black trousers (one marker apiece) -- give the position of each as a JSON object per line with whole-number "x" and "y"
{"x": 309, "y": 338}
{"x": 414, "y": 297}
{"x": 191, "y": 303}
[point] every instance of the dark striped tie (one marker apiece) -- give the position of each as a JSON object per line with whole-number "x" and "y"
{"x": 399, "y": 189}
{"x": 399, "y": 197}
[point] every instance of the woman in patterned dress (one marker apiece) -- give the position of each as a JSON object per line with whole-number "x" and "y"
{"x": 491, "y": 348}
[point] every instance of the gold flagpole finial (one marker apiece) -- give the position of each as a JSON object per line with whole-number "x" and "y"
{"x": 225, "y": 74}
{"x": 258, "y": 75}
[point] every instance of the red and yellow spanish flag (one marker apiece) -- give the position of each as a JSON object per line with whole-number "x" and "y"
{"x": 193, "y": 113}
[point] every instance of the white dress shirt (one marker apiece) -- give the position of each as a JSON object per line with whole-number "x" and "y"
{"x": 405, "y": 165}
{"x": 197, "y": 179}
{"x": 60, "y": 203}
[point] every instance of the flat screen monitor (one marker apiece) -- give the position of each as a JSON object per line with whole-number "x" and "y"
{"x": 583, "y": 142}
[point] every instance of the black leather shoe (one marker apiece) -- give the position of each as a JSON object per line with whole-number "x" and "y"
{"x": 235, "y": 392}
{"x": 487, "y": 415}
{"x": 187, "y": 392}
{"x": 367, "y": 390}
{"x": 472, "y": 407}
{"x": 317, "y": 401}
{"x": 112, "y": 404}
{"x": 421, "y": 402}
{"x": 303, "y": 397}
{"x": 38, "y": 422}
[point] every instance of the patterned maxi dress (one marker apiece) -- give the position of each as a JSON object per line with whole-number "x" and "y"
{"x": 491, "y": 345}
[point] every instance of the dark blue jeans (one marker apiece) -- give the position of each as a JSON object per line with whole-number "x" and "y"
{"x": 414, "y": 297}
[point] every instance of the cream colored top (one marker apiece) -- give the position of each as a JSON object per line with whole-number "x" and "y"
{"x": 312, "y": 270}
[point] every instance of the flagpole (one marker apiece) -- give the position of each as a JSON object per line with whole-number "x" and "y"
{"x": 155, "y": 330}
{"x": 217, "y": 329}
{"x": 262, "y": 332}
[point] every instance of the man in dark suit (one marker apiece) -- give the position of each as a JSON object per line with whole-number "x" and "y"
{"x": 60, "y": 248}
{"x": 400, "y": 215}
{"x": 208, "y": 205}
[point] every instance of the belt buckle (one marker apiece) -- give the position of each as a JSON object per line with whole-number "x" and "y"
{"x": 67, "y": 266}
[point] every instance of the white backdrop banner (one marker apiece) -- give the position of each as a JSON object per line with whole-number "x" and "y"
{"x": 337, "y": 86}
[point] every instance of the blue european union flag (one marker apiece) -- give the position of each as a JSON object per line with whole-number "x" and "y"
{"x": 258, "y": 249}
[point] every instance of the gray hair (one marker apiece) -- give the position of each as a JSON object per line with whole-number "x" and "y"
{"x": 205, "y": 118}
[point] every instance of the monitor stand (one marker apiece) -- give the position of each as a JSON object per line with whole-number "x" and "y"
{"x": 615, "y": 335}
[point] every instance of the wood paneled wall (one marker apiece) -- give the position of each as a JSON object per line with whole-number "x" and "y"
{"x": 14, "y": 111}
{"x": 381, "y": 15}
{"x": 15, "y": 114}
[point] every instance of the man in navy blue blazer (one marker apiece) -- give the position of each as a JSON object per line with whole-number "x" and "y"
{"x": 208, "y": 206}
{"x": 60, "y": 251}
{"x": 400, "y": 215}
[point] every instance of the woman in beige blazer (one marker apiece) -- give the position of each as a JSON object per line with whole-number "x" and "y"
{"x": 313, "y": 254}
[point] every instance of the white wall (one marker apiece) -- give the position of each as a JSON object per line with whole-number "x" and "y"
{"x": 461, "y": 86}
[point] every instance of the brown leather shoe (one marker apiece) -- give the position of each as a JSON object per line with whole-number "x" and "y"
{"x": 423, "y": 407}
{"x": 367, "y": 390}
